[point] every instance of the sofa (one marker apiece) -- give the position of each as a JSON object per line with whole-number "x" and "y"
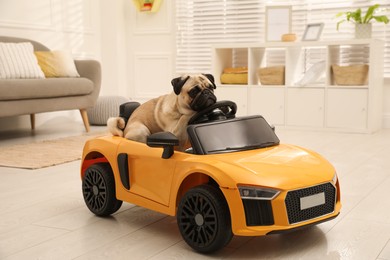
{"x": 28, "y": 96}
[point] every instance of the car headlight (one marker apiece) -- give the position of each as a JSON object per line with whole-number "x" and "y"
{"x": 255, "y": 193}
{"x": 334, "y": 179}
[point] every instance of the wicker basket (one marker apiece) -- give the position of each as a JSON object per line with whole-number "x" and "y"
{"x": 271, "y": 75}
{"x": 351, "y": 75}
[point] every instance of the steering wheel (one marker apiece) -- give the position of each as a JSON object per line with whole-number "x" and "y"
{"x": 224, "y": 109}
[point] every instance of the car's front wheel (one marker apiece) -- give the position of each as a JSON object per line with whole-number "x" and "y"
{"x": 99, "y": 190}
{"x": 203, "y": 218}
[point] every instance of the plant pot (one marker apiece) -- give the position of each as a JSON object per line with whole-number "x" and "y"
{"x": 363, "y": 30}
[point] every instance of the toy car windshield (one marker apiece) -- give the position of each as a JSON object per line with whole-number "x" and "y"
{"x": 239, "y": 134}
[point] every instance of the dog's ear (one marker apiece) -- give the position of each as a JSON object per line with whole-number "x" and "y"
{"x": 211, "y": 78}
{"x": 178, "y": 83}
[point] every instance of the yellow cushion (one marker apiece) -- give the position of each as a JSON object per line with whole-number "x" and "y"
{"x": 234, "y": 78}
{"x": 57, "y": 64}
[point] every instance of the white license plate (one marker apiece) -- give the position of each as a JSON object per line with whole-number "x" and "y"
{"x": 312, "y": 201}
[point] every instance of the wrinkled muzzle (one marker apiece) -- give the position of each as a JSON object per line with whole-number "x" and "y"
{"x": 204, "y": 99}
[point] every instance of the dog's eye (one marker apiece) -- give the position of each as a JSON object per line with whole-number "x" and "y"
{"x": 194, "y": 91}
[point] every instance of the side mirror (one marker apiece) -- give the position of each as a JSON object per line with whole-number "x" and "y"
{"x": 167, "y": 140}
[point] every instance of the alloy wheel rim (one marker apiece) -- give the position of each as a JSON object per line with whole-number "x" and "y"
{"x": 198, "y": 220}
{"x": 94, "y": 190}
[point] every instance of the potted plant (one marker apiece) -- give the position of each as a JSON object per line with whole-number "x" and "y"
{"x": 362, "y": 22}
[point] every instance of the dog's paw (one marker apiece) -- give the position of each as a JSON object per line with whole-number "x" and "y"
{"x": 113, "y": 125}
{"x": 121, "y": 123}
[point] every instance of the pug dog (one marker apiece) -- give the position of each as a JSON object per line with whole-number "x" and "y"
{"x": 170, "y": 112}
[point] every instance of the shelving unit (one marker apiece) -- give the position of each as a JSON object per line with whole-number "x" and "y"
{"x": 319, "y": 105}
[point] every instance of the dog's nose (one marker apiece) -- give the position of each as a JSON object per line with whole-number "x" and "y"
{"x": 209, "y": 96}
{"x": 210, "y": 101}
{"x": 207, "y": 92}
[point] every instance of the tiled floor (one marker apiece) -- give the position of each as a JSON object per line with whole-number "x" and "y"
{"x": 43, "y": 216}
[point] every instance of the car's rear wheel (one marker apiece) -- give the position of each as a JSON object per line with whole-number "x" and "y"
{"x": 203, "y": 218}
{"x": 99, "y": 190}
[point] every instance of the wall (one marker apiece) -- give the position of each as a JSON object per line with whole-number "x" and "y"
{"x": 386, "y": 104}
{"x": 113, "y": 47}
{"x": 150, "y": 46}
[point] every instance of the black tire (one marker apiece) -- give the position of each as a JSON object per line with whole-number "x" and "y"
{"x": 99, "y": 190}
{"x": 203, "y": 218}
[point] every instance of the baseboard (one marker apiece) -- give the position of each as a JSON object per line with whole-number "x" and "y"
{"x": 48, "y": 118}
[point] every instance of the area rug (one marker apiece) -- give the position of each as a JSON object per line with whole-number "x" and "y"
{"x": 44, "y": 153}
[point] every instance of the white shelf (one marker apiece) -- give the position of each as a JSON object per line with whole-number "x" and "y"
{"x": 322, "y": 105}
{"x": 296, "y": 44}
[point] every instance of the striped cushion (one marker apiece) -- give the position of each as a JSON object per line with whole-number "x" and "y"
{"x": 17, "y": 61}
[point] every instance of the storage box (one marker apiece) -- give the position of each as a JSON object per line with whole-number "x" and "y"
{"x": 271, "y": 75}
{"x": 356, "y": 74}
{"x": 235, "y": 76}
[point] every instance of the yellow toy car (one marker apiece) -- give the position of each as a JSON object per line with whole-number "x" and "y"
{"x": 236, "y": 179}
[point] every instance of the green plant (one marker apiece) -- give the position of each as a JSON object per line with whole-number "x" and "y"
{"x": 357, "y": 17}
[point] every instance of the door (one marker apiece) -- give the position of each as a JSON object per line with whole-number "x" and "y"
{"x": 347, "y": 108}
{"x": 268, "y": 102}
{"x": 237, "y": 94}
{"x": 149, "y": 175}
{"x": 305, "y": 107}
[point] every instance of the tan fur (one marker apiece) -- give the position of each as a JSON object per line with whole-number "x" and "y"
{"x": 169, "y": 113}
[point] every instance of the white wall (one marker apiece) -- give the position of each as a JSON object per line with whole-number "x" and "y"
{"x": 137, "y": 50}
{"x": 59, "y": 24}
{"x": 113, "y": 47}
{"x": 151, "y": 52}
{"x": 386, "y": 104}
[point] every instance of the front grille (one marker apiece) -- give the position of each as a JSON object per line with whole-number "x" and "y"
{"x": 258, "y": 212}
{"x": 293, "y": 203}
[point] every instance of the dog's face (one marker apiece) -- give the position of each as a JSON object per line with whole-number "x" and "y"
{"x": 195, "y": 92}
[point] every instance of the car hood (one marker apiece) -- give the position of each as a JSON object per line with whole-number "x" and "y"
{"x": 282, "y": 166}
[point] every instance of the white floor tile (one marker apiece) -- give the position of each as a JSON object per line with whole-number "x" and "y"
{"x": 385, "y": 254}
{"x": 351, "y": 239}
{"x": 25, "y": 237}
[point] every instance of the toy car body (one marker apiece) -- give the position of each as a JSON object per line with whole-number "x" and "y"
{"x": 236, "y": 179}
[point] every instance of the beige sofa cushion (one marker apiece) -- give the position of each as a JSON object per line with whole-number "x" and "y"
{"x": 19, "y": 89}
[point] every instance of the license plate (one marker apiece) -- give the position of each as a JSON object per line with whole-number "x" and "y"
{"x": 312, "y": 201}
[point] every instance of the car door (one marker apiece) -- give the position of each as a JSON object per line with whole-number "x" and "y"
{"x": 149, "y": 175}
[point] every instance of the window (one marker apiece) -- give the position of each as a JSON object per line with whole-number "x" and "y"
{"x": 202, "y": 23}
